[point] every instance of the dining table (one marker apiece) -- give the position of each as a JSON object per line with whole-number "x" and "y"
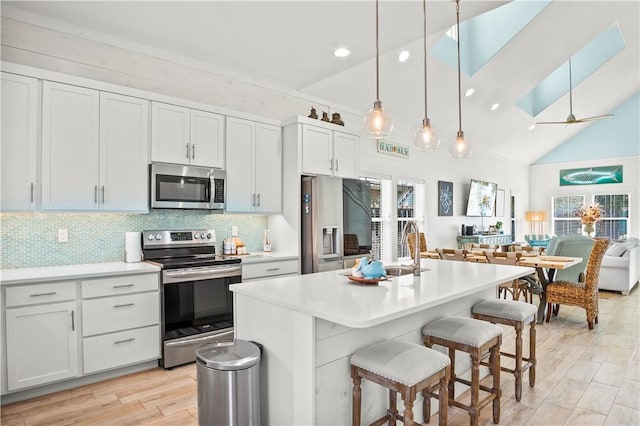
{"x": 546, "y": 267}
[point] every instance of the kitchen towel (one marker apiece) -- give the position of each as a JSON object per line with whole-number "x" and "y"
{"x": 133, "y": 247}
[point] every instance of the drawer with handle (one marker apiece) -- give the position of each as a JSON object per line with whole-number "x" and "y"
{"x": 269, "y": 269}
{"x": 40, "y": 293}
{"x": 120, "y": 313}
{"x": 119, "y": 349}
{"x": 119, "y": 285}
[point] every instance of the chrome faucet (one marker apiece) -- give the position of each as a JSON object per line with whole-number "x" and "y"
{"x": 409, "y": 227}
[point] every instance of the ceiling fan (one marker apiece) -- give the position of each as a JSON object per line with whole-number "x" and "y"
{"x": 571, "y": 119}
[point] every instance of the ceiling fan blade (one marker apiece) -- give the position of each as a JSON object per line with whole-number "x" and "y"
{"x": 596, "y": 117}
{"x": 554, "y": 122}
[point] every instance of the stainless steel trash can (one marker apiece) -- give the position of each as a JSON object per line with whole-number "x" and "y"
{"x": 228, "y": 384}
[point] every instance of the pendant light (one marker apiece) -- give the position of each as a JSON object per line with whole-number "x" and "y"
{"x": 460, "y": 148}
{"x": 378, "y": 123}
{"x": 426, "y": 136}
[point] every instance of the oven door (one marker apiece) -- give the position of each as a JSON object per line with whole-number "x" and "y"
{"x": 197, "y": 309}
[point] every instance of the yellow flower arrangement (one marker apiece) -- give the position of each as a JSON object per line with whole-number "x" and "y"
{"x": 590, "y": 214}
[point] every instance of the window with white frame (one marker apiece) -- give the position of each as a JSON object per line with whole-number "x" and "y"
{"x": 407, "y": 207}
{"x": 565, "y": 222}
{"x": 615, "y": 218}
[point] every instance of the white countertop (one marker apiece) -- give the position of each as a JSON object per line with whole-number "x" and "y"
{"x": 333, "y": 297}
{"x": 66, "y": 272}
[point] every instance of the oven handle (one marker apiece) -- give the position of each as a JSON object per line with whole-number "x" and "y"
{"x": 188, "y": 342}
{"x": 178, "y": 275}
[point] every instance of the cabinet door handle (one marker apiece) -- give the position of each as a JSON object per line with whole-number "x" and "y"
{"x": 337, "y": 166}
{"x": 331, "y": 165}
{"x": 187, "y": 151}
{"x": 73, "y": 321}
{"x": 124, "y": 305}
{"x": 130, "y": 339}
{"x": 102, "y": 190}
{"x": 43, "y": 294}
{"x": 123, "y": 286}
{"x": 193, "y": 151}
{"x": 32, "y": 192}
{"x": 253, "y": 200}
{"x": 272, "y": 269}
{"x": 258, "y": 200}
{"x": 95, "y": 194}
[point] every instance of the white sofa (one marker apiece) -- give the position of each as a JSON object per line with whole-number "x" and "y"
{"x": 620, "y": 268}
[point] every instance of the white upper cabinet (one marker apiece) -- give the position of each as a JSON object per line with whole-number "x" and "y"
{"x": 254, "y": 167}
{"x": 329, "y": 152}
{"x": 124, "y": 153}
{"x": 70, "y": 134}
{"x": 186, "y": 136}
{"x": 94, "y": 150}
{"x": 20, "y": 106}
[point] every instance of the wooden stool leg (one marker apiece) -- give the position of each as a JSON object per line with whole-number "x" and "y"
{"x": 408, "y": 410}
{"x": 475, "y": 389}
{"x": 355, "y": 416}
{"x": 393, "y": 410}
{"x": 426, "y": 405}
{"x": 452, "y": 375}
{"x": 532, "y": 353}
{"x": 518, "y": 369}
{"x": 443, "y": 399}
{"x": 496, "y": 384}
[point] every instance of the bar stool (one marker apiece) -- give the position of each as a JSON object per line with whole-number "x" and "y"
{"x": 517, "y": 314}
{"x": 477, "y": 338}
{"x": 404, "y": 367}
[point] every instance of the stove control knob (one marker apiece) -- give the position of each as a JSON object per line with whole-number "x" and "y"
{"x": 202, "y": 235}
{"x": 209, "y": 235}
{"x": 158, "y": 237}
{"x": 151, "y": 237}
{"x": 195, "y": 235}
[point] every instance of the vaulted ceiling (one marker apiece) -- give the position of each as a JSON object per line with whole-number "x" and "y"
{"x": 290, "y": 44}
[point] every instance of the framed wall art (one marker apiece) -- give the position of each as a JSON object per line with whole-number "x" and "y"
{"x": 445, "y": 198}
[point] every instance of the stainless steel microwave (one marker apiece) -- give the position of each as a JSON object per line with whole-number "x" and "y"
{"x": 176, "y": 186}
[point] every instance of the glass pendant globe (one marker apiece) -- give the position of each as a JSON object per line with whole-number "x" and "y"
{"x": 378, "y": 123}
{"x": 426, "y": 137}
{"x": 460, "y": 148}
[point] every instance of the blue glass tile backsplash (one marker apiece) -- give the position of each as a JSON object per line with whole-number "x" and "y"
{"x": 31, "y": 239}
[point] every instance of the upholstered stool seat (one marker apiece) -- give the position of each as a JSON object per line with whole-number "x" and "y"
{"x": 517, "y": 314}
{"x": 404, "y": 367}
{"x": 477, "y": 338}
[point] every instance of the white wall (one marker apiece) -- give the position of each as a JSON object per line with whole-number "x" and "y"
{"x": 545, "y": 183}
{"x": 69, "y": 50}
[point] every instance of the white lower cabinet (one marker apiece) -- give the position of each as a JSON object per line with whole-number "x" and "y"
{"x": 42, "y": 344}
{"x": 269, "y": 269}
{"x": 123, "y": 329}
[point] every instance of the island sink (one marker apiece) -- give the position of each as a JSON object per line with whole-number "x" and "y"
{"x": 399, "y": 270}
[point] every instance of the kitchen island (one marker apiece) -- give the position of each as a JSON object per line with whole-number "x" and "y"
{"x": 311, "y": 324}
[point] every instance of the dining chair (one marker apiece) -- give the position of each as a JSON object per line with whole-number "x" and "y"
{"x": 572, "y": 246}
{"x": 452, "y": 254}
{"x": 528, "y": 249}
{"x": 411, "y": 239}
{"x": 582, "y": 292}
{"x": 476, "y": 246}
{"x": 516, "y": 287}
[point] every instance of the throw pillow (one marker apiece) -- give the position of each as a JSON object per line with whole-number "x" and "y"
{"x": 616, "y": 249}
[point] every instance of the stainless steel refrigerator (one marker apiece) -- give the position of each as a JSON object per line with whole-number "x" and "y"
{"x": 321, "y": 219}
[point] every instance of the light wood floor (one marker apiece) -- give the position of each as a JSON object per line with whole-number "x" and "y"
{"x": 583, "y": 378}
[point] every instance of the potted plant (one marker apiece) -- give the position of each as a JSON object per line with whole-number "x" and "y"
{"x": 499, "y": 226}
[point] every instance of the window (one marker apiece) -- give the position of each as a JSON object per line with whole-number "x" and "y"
{"x": 406, "y": 213}
{"x": 565, "y": 221}
{"x": 615, "y": 219}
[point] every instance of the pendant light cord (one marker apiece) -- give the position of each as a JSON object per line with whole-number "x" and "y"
{"x": 377, "y": 58}
{"x": 424, "y": 11}
{"x": 459, "y": 89}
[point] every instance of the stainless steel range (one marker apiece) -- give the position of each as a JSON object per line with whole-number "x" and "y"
{"x": 197, "y": 306}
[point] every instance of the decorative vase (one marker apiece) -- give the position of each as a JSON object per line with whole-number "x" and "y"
{"x": 588, "y": 228}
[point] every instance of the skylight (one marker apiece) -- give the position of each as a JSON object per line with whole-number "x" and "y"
{"x": 484, "y": 35}
{"x": 588, "y": 59}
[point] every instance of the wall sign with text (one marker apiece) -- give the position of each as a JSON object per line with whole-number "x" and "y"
{"x": 393, "y": 148}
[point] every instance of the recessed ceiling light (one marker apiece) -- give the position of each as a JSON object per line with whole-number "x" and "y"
{"x": 404, "y": 55}
{"x": 533, "y": 126}
{"x": 469, "y": 92}
{"x": 495, "y": 106}
{"x": 342, "y": 52}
